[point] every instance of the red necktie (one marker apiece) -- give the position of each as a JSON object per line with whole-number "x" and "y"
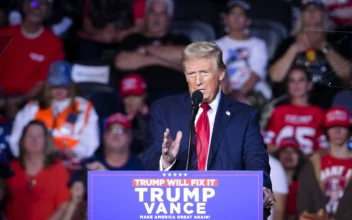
{"x": 203, "y": 130}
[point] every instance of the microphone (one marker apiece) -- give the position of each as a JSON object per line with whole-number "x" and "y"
{"x": 197, "y": 98}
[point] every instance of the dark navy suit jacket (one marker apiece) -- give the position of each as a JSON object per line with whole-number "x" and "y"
{"x": 236, "y": 142}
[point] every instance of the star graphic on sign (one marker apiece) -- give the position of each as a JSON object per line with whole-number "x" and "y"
{"x": 175, "y": 174}
{"x": 180, "y": 174}
{"x": 164, "y": 174}
{"x": 185, "y": 174}
{"x": 169, "y": 174}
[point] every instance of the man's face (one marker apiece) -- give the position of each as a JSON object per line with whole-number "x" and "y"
{"x": 36, "y": 10}
{"x": 289, "y": 158}
{"x": 59, "y": 93}
{"x": 203, "y": 74}
{"x": 157, "y": 18}
{"x": 338, "y": 135}
{"x": 312, "y": 15}
{"x": 237, "y": 20}
{"x": 298, "y": 84}
{"x": 133, "y": 104}
{"x": 116, "y": 138}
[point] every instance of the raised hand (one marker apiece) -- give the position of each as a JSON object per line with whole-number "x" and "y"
{"x": 170, "y": 148}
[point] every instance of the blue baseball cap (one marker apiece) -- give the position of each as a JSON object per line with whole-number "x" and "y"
{"x": 238, "y": 3}
{"x": 59, "y": 74}
{"x": 306, "y": 3}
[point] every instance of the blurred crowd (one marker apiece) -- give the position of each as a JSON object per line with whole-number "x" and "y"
{"x": 77, "y": 79}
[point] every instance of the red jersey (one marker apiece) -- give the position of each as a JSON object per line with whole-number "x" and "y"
{"x": 335, "y": 173}
{"x": 37, "y": 197}
{"x": 340, "y": 11}
{"x": 305, "y": 123}
{"x": 26, "y": 60}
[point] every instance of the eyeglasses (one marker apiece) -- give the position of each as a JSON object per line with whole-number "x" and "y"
{"x": 119, "y": 131}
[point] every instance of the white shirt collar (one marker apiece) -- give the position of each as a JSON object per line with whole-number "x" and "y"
{"x": 59, "y": 106}
{"x": 215, "y": 103}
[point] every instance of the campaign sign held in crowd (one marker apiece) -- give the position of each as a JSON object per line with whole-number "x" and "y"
{"x": 139, "y": 195}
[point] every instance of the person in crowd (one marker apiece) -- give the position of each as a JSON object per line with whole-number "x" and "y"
{"x": 8, "y": 111}
{"x": 155, "y": 53}
{"x": 102, "y": 23}
{"x": 71, "y": 119}
{"x": 246, "y": 57}
{"x": 292, "y": 159}
{"x": 38, "y": 190}
{"x": 324, "y": 182}
{"x": 343, "y": 98}
{"x": 76, "y": 208}
{"x": 219, "y": 119}
{"x": 310, "y": 47}
{"x": 117, "y": 142}
{"x": 25, "y": 62}
{"x": 59, "y": 22}
{"x": 133, "y": 92}
{"x": 106, "y": 23}
{"x": 117, "y": 155}
{"x": 298, "y": 118}
{"x": 280, "y": 189}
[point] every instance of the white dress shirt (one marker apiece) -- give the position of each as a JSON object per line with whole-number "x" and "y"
{"x": 211, "y": 115}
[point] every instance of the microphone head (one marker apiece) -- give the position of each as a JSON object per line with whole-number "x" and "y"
{"x": 197, "y": 97}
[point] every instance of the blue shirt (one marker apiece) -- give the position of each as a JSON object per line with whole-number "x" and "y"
{"x": 5, "y": 131}
{"x": 134, "y": 163}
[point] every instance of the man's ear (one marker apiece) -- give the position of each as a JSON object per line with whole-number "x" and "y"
{"x": 222, "y": 74}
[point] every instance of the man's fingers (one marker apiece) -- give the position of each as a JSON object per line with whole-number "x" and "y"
{"x": 268, "y": 198}
{"x": 167, "y": 132}
{"x": 178, "y": 138}
{"x": 166, "y": 138}
{"x": 164, "y": 150}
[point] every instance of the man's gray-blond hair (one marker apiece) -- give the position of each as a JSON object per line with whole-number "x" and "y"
{"x": 169, "y": 5}
{"x": 205, "y": 49}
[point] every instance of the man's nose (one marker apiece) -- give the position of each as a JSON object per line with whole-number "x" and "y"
{"x": 199, "y": 79}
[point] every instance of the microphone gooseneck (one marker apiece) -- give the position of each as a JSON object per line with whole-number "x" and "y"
{"x": 197, "y": 98}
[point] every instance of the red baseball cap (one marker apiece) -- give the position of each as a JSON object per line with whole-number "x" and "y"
{"x": 337, "y": 116}
{"x": 132, "y": 84}
{"x": 289, "y": 142}
{"x": 118, "y": 118}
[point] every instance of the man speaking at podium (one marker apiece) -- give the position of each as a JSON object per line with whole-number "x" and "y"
{"x": 227, "y": 132}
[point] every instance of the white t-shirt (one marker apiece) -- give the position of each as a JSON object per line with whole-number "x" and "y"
{"x": 278, "y": 179}
{"x": 243, "y": 57}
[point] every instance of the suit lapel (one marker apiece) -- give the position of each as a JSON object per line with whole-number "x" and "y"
{"x": 223, "y": 116}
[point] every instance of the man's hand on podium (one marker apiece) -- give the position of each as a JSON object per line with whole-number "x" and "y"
{"x": 170, "y": 148}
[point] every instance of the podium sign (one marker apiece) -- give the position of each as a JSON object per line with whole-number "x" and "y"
{"x": 135, "y": 195}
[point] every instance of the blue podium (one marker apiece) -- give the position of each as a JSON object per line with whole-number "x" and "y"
{"x": 135, "y": 195}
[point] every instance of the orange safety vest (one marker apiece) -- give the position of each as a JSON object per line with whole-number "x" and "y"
{"x": 67, "y": 126}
